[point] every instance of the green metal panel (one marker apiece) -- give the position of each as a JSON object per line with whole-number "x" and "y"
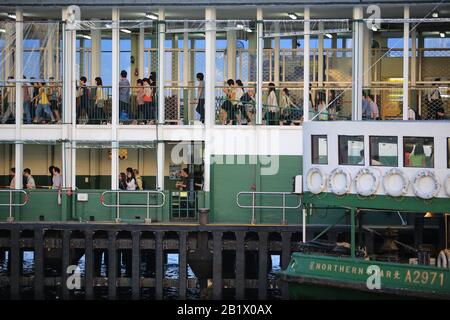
{"x": 229, "y": 179}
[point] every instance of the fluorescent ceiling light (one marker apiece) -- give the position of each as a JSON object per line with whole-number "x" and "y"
{"x": 108, "y": 25}
{"x": 85, "y": 36}
{"x": 248, "y": 29}
{"x": 240, "y": 26}
{"x": 125, "y": 30}
{"x": 435, "y": 14}
{"x": 2, "y": 31}
{"x": 151, "y": 15}
{"x": 293, "y": 16}
{"x": 374, "y": 28}
{"x": 442, "y": 34}
{"x": 11, "y": 15}
{"x": 328, "y": 35}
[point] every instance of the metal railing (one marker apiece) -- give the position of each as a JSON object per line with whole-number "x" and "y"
{"x": 147, "y": 206}
{"x": 254, "y": 206}
{"x": 11, "y": 204}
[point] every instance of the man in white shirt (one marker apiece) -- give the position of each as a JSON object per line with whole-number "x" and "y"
{"x": 57, "y": 179}
{"x": 30, "y": 183}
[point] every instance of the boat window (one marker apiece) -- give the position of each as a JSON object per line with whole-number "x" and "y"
{"x": 351, "y": 150}
{"x": 319, "y": 150}
{"x": 448, "y": 152}
{"x": 383, "y": 151}
{"x": 418, "y": 152}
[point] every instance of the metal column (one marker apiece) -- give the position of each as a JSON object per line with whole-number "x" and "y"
{"x": 19, "y": 98}
{"x": 210, "y": 92}
{"x": 259, "y": 64}
{"x": 357, "y": 63}
{"x": 405, "y": 64}
{"x": 115, "y": 98}
{"x": 306, "y": 65}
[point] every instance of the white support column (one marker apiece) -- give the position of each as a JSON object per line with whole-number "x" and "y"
{"x": 210, "y": 92}
{"x": 19, "y": 97}
{"x": 141, "y": 47}
{"x": 68, "y": 148}
{"x": 115, "y": 98}
{"x": 161, "y": 109}
{"x": 259, "y": 64}
{"x": 306, "y": 65}
{"x": 276, "y": 58}
{"x": 405, "y": 64}
{"x": 161, "y": 63}
{"x": 357, "y": 63}
{"x": 320, "y": 64}
{"x": 231, "y": 54}
{"x": 96, "y": 53}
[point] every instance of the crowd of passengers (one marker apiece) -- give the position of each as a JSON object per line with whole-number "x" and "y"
{"x": 29, "y": 182}
{"x": 42, "y": 103}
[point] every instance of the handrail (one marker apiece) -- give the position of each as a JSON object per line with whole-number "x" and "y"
{"x": 147, "y": 206}
{"x": 253, "y": 206}
{"x": 11, "y": 204}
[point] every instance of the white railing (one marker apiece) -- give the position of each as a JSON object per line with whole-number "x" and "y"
{"x": 10, "y": 204}
{"x": 147, "y": 206}
{"x": 254, "y": 206}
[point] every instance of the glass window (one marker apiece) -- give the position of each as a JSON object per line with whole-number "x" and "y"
{"x": 418, "y": 152}
{"x": 448, "y": 152}
{"x": 351, "y": 150}
{"x": 384, "y": 151}
{"x": 319, "y": 150}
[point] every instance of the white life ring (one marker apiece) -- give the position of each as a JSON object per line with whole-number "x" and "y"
{"x": 312, "y": 184}
{"x": 447, "y": 184}
{"x": 395, "y": 192}
{"x": 339, "y": 189}
{"x": 443, "y": 260}
{"x": 371, "y": 188}
{"x": 418, "y": 190}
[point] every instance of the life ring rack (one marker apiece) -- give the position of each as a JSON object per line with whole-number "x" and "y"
{"x": 345, "y": 188}
{"x": 373, "y": 187}
{"x": 405, "y": 182}
{"x": 323, "y": 180}
{"x": 421, "y": 193}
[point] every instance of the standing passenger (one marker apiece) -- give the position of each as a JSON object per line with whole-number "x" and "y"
{"x": 99, "y": 101}
{"x": 140, "y": 99}
{"x": 55, "y": 96}
{"x": 131, "y": 180}
{"x": 124, "y": 93}
{"x": 57, "y": 178}
{"x": 26, "y": 103}
{"x": 43, "y": 105}
{"x": 138, "y": 178}
{"x": 12, "y": 184}
{"x": 29, "y": 180}
{"x": 201, "y": 97}
{"x": 10, "y": 100}
{"x": 272, "y": 105}
{"x": 238, "y": 109}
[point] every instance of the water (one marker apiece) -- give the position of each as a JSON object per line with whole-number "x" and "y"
{"x": 171, "y": 271}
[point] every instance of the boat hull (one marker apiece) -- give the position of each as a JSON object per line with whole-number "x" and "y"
{"x": 325, "y": 277}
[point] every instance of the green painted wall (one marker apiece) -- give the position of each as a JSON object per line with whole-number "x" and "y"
{"x": 230, "y": 178}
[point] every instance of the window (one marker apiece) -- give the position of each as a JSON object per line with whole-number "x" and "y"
{"x": 418, "y": 152}
{"x": 384, "y": 151}
{"x": 319, "y": 149}
{"x": 448, "y": 152}
{"x": 351, "y": 150}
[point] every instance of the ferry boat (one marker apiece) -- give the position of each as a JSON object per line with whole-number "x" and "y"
{"x": 370, "y": 169}
{"x": 127, "y": 115}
